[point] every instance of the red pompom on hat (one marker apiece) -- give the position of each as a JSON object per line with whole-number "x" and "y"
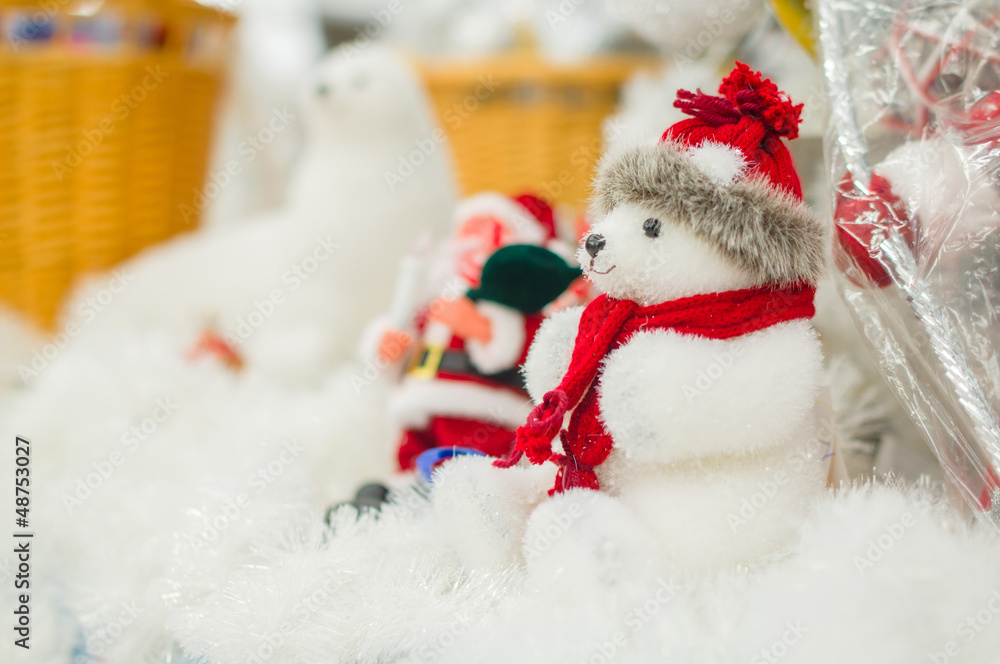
{"x": 726, "y": 175}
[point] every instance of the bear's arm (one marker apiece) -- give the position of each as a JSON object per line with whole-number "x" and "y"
{"x": 666, "y": 397}
{"x": 550, "y": 352}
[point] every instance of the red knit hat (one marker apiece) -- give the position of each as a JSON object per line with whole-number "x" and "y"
{"x": 751, "y": 116}
{"x": 726, "y": 175}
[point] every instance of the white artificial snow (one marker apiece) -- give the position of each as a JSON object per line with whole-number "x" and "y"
{"x": 875, "y": 576}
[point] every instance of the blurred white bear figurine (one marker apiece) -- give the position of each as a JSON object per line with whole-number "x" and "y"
{"x": 294, "y": 288}
{"x": 690, "y": 383}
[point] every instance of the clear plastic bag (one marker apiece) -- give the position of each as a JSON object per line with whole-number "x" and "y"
{"x": 914, "y": 160}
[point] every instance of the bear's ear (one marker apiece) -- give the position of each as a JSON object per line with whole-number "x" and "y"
{"x": 724, "y": 165}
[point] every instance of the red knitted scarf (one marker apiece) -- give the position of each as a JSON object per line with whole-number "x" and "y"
{"x": 606, "y": 324}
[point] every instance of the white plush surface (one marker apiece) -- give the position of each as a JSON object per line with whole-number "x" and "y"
{"x": 429, "y": 581}
{"x": 143, "y": 529}
{"x": 485, "y": 510}
{"x": 395, "y": 592}
{"x": 668, "y": 397}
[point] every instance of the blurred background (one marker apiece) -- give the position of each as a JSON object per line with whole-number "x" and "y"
{"x": 105, "y": 158}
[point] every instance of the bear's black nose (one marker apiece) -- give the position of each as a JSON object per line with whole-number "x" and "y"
{"x": 594, "y": 244}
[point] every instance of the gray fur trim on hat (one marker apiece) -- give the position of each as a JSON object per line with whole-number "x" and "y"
{"x": 760, "y": 228}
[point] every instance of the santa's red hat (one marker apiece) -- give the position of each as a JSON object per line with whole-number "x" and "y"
{"x": 726, "y": 175}
{"x": 541, "y": 211}
{"x": 527, "y": 217}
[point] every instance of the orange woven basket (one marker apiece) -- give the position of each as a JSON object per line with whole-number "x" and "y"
{"x": 518, "y": 123}
{"x": 105, "y": 123}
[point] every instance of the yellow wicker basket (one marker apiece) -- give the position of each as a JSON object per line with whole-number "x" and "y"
{"x": 105, "y": 121}
{"x": 517, "y": 123}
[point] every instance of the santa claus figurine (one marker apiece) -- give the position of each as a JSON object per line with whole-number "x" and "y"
{"x": 461, "y": 387}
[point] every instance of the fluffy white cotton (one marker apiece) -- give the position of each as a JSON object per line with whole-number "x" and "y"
{"x": 608, "y": 546}
{"x": 152, "y": 475}
{"x": 295, "y": 287}
{"x": 483, "y": 510}
{"x": 392, "y": 590}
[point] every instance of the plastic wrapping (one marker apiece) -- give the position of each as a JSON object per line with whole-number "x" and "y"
{"x": 914, "y": 160}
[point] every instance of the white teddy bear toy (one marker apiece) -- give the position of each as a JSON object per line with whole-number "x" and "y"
{"x": 686, "y": 391}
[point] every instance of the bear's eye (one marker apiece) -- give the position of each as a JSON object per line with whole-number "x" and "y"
{"x": 651, "y": 227}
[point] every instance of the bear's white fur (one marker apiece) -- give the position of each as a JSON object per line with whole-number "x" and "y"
{"x": 712, "y": 447}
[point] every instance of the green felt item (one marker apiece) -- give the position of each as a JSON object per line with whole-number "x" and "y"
{"x": 524, "y": 277}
